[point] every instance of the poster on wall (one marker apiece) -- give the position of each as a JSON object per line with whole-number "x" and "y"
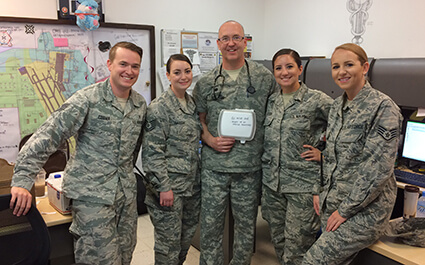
{"x": 208, "y": 61}
{"x": 189, "y": 40}
{"x": 200, "y": 47}
{"x": 192, "y": 54}
{"x": 248, "y": 48}
{"x": 208, "y": 42}
{"x": 170, "y": 43}
{"x": 9, "y": 134}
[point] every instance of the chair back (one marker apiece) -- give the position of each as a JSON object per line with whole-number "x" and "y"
{"x": 318, "y": 75}
{"x": 24, "y": 240}
{"x": 402, "y": 79}
{"x": 57, "y": 161}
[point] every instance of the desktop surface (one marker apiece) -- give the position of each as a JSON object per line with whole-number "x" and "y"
{"x": 49, "y": 214}
{"x": 62, "y": 248}
{"x": 393, "y": 249}
{"x": 405, "y": 254}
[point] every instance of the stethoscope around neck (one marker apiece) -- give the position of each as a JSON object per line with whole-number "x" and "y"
{"x": 249, "y": 90}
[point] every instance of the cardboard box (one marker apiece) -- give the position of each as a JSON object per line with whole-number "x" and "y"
{"x": 55, "y": 194}
{"x": 6, "y": 173}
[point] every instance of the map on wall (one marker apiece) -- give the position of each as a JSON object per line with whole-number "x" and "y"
{"x": 42, "y": 65}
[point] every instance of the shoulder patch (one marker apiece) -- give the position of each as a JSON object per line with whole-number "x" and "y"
{"x": 150, "y": 125}
{"x": 388, "y": 135}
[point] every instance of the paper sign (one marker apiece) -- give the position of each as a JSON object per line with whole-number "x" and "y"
{"x": 238, "y": 123}
{"x": 10, "y": 135}
{"x": 421, "y": 112}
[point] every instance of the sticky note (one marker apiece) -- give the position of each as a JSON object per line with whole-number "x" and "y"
{"x": 60, "y": 42}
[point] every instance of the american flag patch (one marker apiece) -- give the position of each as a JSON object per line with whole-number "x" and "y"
{"x": 388, "y": 135}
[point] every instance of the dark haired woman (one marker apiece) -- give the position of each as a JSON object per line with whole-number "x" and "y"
{"x": 171, "y": 162}
{"x": 296, "y": 118}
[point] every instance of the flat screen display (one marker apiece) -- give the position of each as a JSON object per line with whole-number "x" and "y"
{"x": 414, "y": 141}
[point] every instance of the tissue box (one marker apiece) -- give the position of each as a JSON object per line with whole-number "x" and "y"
{"x": 55, "y": 194}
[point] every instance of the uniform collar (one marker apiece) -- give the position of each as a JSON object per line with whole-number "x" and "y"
{"x": 242, "y": 74}
{"x": 299, "y": 94}
{"x": 109, "y": 96}
{"x": 359, "y": 98}
{"x": 175, "y": 101}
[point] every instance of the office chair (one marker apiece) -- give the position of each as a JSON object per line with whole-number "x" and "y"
{"x": 24, "y": 240}
{"x": 57, "y": 161}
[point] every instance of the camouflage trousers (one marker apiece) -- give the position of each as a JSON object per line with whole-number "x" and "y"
{"x": 174, "y": 226}
{"x": 243, "y": 191}
{"x": 292, "y": 221}
{"x": 356, "y": 233}
{"x": 104, "y": 234}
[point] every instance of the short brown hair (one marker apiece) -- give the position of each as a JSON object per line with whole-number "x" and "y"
{"x": 126, "y": 45}
{"x": 356, "y": 49}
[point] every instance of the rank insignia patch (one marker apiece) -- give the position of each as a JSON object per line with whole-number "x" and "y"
{"x": 388, "y": 135}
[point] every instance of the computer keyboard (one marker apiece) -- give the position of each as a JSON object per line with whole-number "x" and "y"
{"x": 410, "y": 177}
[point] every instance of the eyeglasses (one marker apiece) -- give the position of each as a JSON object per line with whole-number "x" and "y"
{"x": 235, "y": 38}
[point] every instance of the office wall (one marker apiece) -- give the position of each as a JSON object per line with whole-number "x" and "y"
{"x": 197, "y": 15}
{"x": 313, "y": 27}
{"x": 394, "y": 28}
{"x": 29, "y": 8}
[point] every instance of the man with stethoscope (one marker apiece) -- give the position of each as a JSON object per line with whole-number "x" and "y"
{"x": 231, "y": 169}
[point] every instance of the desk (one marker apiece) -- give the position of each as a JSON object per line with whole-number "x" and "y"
{"x": 399, "y": 252}
{"x": 62, "y": 245}
{"x": 393, "y": 252}
{"x": 401, "y": 185}
{"x": 50, "y": 215}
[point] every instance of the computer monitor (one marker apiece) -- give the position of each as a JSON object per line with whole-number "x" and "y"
{"x": 414, "y": 141}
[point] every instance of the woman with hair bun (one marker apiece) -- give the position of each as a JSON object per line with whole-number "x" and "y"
{"x": 171, "y": 161}
{"x": 361, "y": 146}
{"x": 296, "y": 118}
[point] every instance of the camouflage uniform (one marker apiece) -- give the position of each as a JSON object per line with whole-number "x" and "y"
{"x": 99, "y": 178}
{"x": 362, "y": 140}
{"x": 236, "y": 175}
{"x": 288, "y": 179}
{"x": 171, "y": 161}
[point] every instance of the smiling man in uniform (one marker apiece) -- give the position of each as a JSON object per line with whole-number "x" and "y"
{"x": 106, "y": 119}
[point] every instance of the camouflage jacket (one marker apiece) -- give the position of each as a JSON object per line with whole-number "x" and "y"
{"x": 171, "y": 137}
{"x": 107, "y": 139}
{"x": 212, "y": 94}
{"x": 361, "y": 147}
{"x": 287, "y": 129}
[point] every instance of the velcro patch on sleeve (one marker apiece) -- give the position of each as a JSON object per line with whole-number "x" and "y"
{"x": 150, "y": 125}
